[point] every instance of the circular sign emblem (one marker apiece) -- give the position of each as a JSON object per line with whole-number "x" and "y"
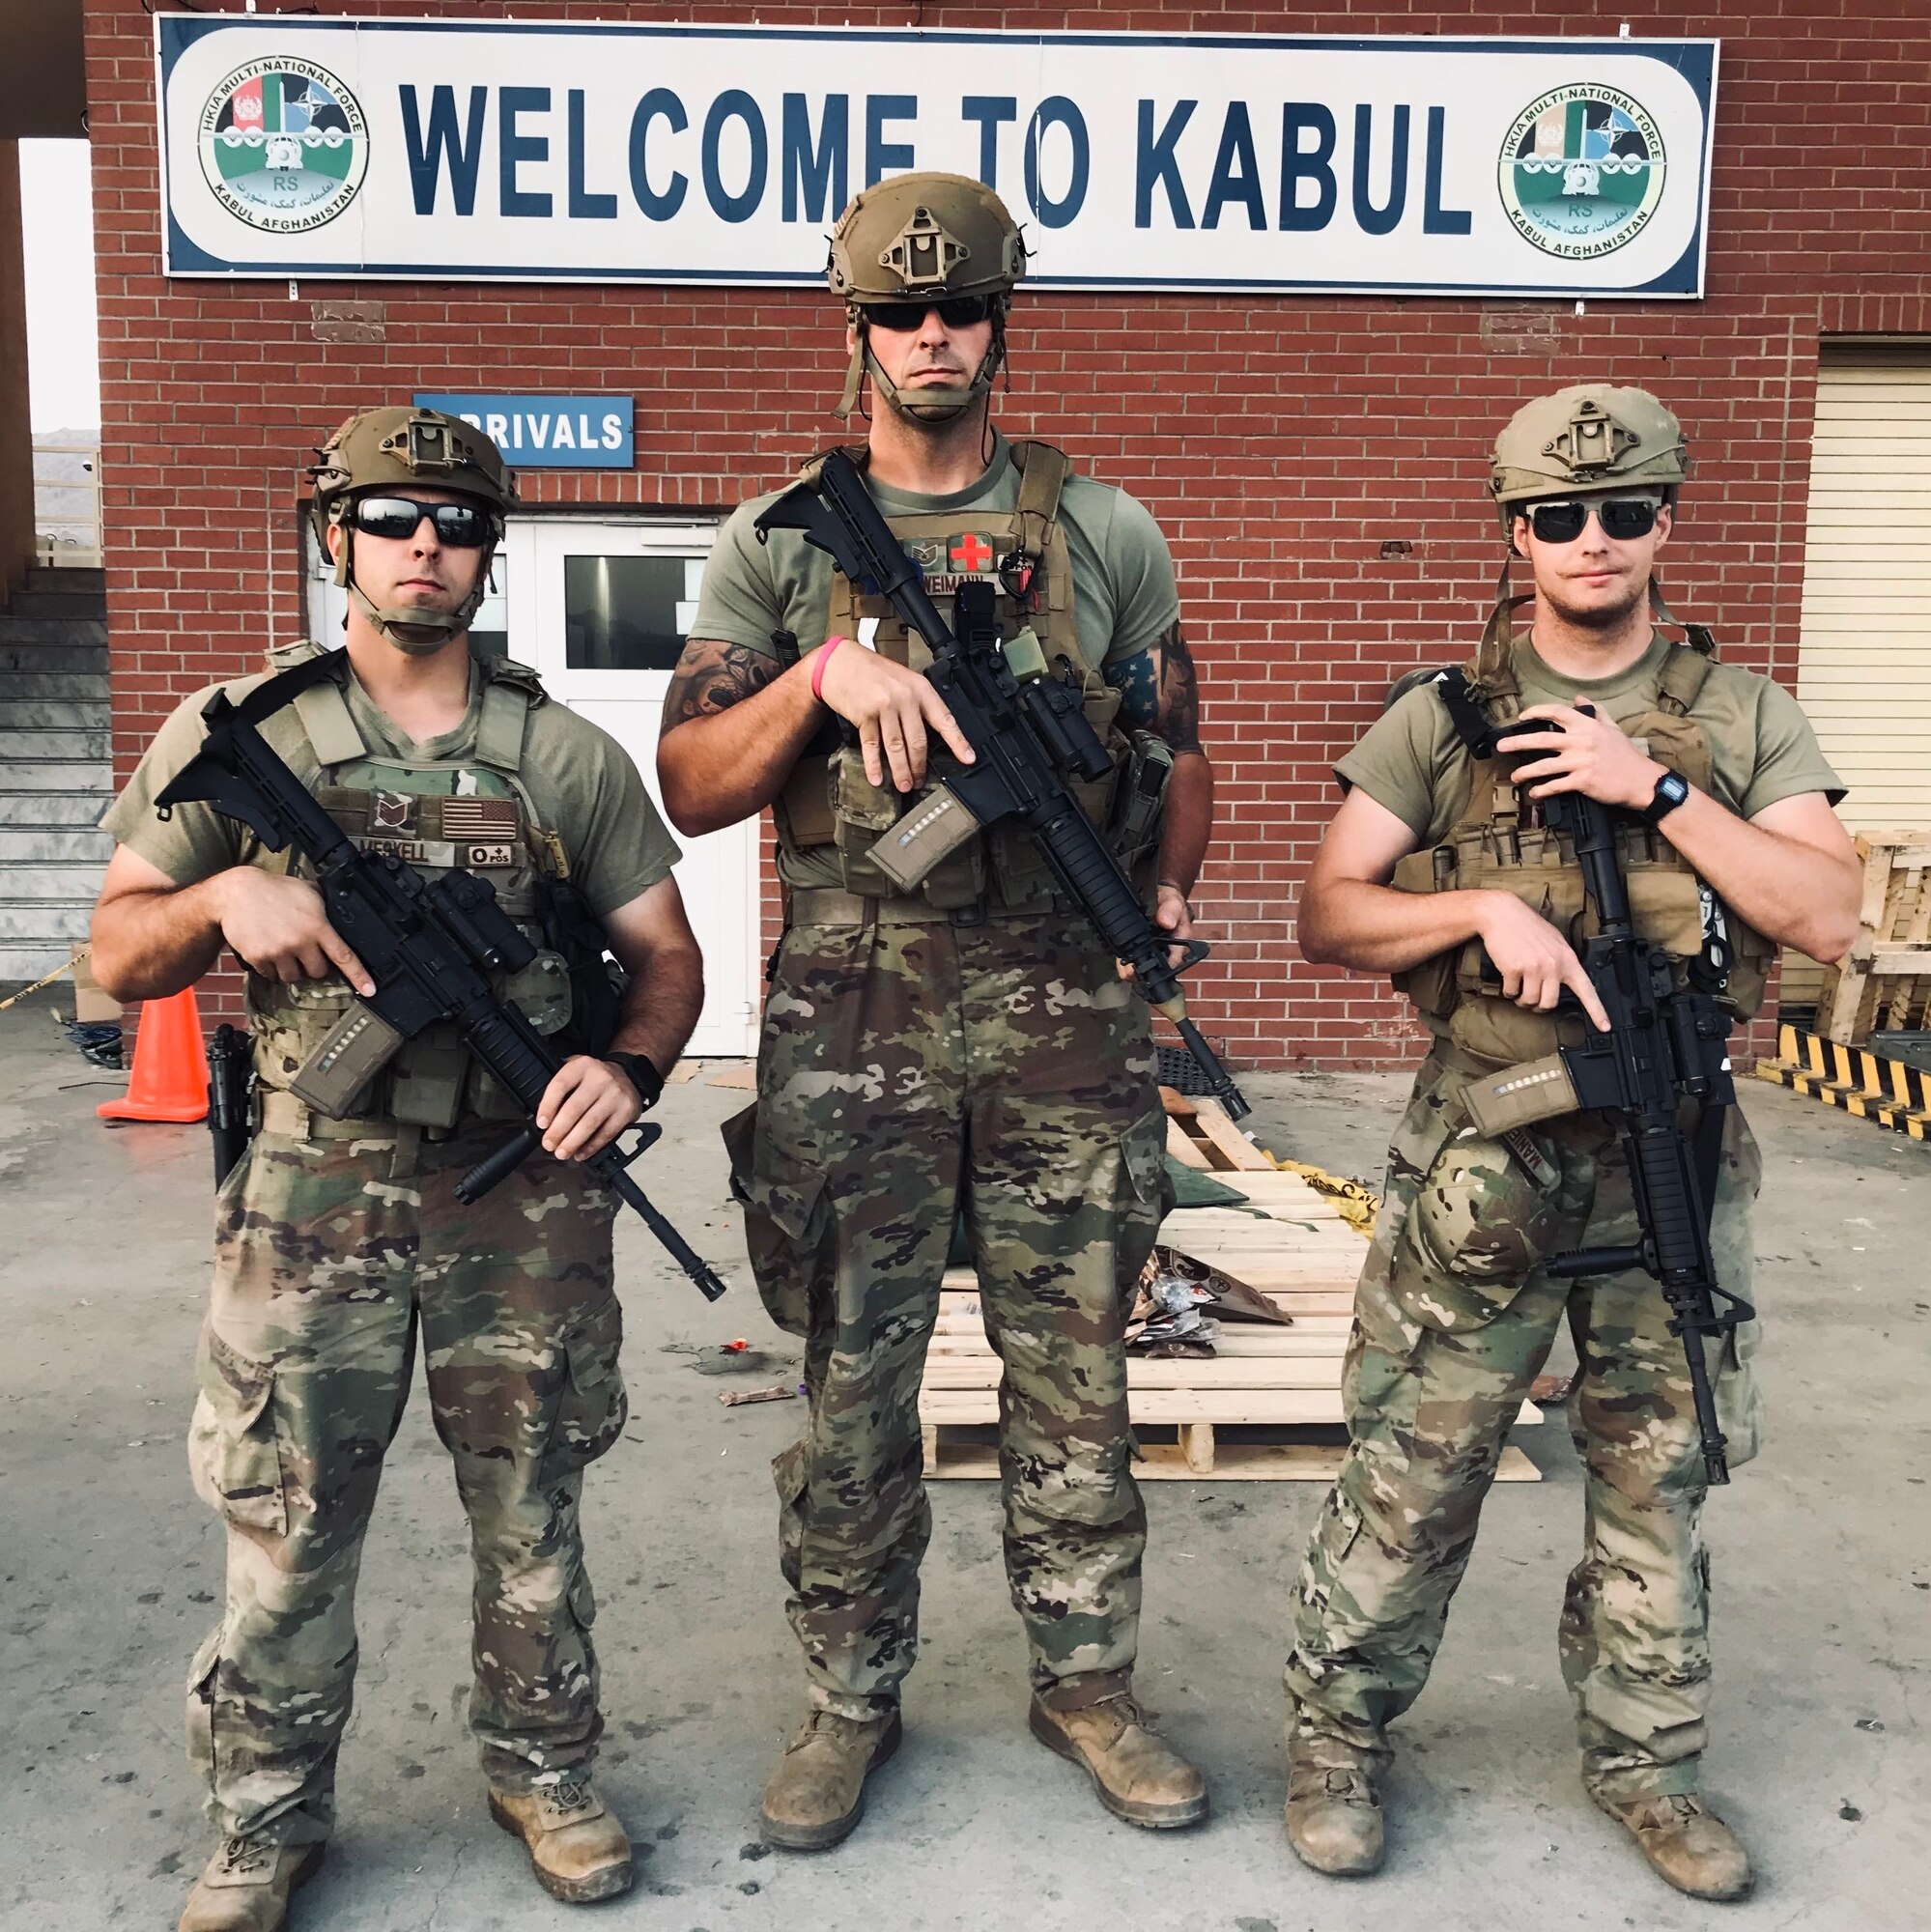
{"x": 284, "y": 145}
{"x": 1581, "y": 170}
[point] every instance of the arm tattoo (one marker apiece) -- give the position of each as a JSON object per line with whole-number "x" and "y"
{"x": 1178, "y": 718}
{"x": 711, "y": 677}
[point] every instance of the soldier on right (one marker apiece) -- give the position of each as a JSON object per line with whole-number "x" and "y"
{"x": 1436, "y": 870}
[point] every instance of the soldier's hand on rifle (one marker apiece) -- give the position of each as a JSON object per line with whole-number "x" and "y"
{"x": 1534, "y": 959}
{"x": 586, "y": 1105}
{"x": 1171, "y": 914}
{"x": 277, "y": 926}
{"x": 1585, "y": 752}
{"x": 894, "y": 709}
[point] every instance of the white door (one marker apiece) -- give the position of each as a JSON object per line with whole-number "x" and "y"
{"x": 600, "y": 610}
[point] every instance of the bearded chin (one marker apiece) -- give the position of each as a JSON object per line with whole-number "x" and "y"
{"x": 1602, "y": 616}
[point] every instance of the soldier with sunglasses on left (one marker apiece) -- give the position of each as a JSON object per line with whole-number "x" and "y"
{"x": 338, "y": 1240}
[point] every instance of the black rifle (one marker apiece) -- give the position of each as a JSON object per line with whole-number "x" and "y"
{"x": 1666, "y": 1044}
{"x": 1026, "y": 725}
{"x": 430, "y": 944}
{"x": 231, "y": 1070}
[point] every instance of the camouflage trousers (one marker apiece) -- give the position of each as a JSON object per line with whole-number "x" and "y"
{"x": 1453, "y": 1319}
{"x": 328, "y": 1255}
{"x": 909, "y": 1072}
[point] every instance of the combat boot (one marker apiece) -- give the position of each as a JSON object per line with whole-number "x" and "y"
{"x": 247, "y": 1884}
{"x": 577, "y": 1846}
{"x": 1686, "y": 1843}
{"x": 816, "y": 1794}
{"x": 1334, "y": 1807}
{"x": 1137, "y": 1774}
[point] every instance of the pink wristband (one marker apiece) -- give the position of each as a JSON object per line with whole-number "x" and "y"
{"x": 818, "y": 669}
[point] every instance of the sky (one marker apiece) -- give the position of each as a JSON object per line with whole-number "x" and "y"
{"x": 63, "y": 343}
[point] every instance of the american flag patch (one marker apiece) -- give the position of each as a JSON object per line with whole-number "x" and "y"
{"x": 492, "y": 819}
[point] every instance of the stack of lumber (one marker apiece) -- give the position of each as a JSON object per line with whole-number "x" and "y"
{"x": 1885, "y": 982}
{"x": 1290, "y": 1245}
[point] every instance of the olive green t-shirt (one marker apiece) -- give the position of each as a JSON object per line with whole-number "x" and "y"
{"x": 581, "y": 783}
{"x": 1124, "y": 596}
{"x": 1762, "y": 748}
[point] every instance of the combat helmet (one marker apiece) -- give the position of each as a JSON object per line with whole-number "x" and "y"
{"x": 923, "y": 237}
{"x": 395, "y": 448}
{"x": 1588, "y": 438}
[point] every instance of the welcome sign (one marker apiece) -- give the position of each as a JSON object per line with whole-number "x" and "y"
{"x": 576, "y": 152}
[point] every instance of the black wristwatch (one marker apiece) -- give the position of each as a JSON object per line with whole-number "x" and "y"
{"x": 642, "y": 1074}
{"x": 1671, "y": 789}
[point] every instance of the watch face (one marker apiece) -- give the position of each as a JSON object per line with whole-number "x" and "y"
{"x": 1674, "y": 789}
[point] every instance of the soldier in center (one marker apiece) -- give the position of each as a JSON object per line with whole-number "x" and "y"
{"x": 965, "y": 1052}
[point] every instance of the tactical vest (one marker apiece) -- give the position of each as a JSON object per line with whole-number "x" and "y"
{"x": 1495, "y": 843}
{"x": 827, "y": 802}
{"x": 471, "y": 813}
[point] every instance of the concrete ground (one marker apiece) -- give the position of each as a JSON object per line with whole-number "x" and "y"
{"x": 109, "y": 1571}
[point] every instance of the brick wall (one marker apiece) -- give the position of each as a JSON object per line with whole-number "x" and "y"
{"x": 1281, "y": 443}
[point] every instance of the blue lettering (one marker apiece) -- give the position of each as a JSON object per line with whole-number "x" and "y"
{"x": 1154, "y": 165}
{"x": 585, "y": 205}
{"x": 1056, "y": 112}
{"x": 1380, "y": 220}
{"x": 515, "y": 148}
{"x": 1436, "y": 219}
{"x": 1304, "y": 164}
{"x": 1236, "y": 171}
{"x": 735, "y": 105}
{"x": 816, "y": 174}
{"x": 659, "y": 102}
{"x": 613, "y": 431}
{"x": 463, "y": 152}
{"x": 988, "y": 110}
{"x": 881, "y": 155}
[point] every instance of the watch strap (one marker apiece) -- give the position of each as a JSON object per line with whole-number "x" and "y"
{"x": 639, "y": 1070}
{"x": 1672, "y": 790}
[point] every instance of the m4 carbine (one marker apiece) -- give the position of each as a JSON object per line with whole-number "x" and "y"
{"x": 1028, "y": 729}
{"x": 1667, "y": 1043}
{"x": 430, "y": 946}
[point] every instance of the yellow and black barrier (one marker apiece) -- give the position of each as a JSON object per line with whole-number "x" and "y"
{"x": 1861, "y": 1081}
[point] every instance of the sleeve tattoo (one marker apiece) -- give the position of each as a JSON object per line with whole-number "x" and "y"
{"x": 1160, "y": 691}
{"x": 711, "y": 677}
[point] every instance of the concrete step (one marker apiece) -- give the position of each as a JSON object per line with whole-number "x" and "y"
{"x": 43, "y": 655}
{"x": 33, "y": 810}
{"x": 52, "y": 846}
{"x": 80, "y": 687}
{"x": 24, "y": 962}
{"x": 50, "y": 714}
{"x": 89, "y": 774}
{"x": 42, "y": 921}
{"x": 53, "y": 630}
{"x": 19, "y": 747}
{"x": 36, "y": 603}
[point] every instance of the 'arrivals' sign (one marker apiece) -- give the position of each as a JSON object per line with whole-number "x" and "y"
{"x": 506, "y": 150}
{"x": 548, "y": 432}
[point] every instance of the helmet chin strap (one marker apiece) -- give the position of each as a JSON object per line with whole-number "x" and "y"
{"x": 934, "y": 407}
{"x": 414, "y": 632}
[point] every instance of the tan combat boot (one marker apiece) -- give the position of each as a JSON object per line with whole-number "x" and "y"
{"x": 1687, "y": 1844}
{"x": 816, "y": 1794}
{"x": 1334, "y": 1807}
{"x": 578, "y": 1848}
{"x": 1137, "y": 1774}
{"x": 246, "y": 1885}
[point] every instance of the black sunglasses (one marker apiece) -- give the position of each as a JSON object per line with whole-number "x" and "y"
{"x": 458, "y": 526}
{"x": 954, "y": 311}
{"x": 1622, "y": 517}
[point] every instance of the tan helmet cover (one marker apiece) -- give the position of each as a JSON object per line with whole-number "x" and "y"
{"x": 924, "y": 237}
{"x": 397, "y": 448}
{"x": 1591, "y": 436}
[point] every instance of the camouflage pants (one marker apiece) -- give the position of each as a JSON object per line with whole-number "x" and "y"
{"x": 906, "y": 1071}
{"x": 1453, "y": 1320}
{"x": 328, "y": 1256}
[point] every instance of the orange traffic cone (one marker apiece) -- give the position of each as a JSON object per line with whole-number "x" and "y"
{"x": 170, "y": 1077}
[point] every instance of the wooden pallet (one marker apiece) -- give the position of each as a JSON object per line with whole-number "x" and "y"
{"x": 1290, "y": 1245}
{"x": 1861, "y": 1080}
{"x": 1885, "y": 981}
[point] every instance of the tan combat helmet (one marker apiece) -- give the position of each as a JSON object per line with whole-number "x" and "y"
{"x": 397, "y": 448}
{"x": 1592, "y": 438}
{"x": 924, "y": 238}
